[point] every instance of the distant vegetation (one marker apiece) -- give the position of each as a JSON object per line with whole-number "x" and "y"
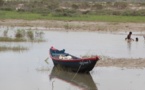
{"x": 58, "y": 9}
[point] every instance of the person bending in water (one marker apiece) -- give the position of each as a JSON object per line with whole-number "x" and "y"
{"x": 129, "y": 37}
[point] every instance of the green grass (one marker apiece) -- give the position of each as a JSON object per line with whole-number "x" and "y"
{"x": 116, "y": 18}
{"x": 18, "y": 15}
{"x": 35, "y": 16}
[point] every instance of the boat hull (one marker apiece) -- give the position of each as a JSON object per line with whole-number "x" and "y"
{"x": 80, "y": 66}
{"x": 74, "y": 63}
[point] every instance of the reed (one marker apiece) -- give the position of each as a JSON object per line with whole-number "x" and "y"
{"x": 22, "y": 36}
{"x": 30, "y": 35}
{"x": 5, "y": 33}
{"x": 15, "y": 48}
{"x": 8, "y": 39}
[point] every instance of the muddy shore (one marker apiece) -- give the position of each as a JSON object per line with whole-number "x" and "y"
{"x": 88, "y": 26}
{"x": 76, "y": 25}
{"x": 122, "y": 62}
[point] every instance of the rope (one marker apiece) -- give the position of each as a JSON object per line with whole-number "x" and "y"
{"x": 76, "y": 72}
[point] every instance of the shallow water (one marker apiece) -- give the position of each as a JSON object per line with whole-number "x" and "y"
{"x": 33, "y": 69}
{"x": 92, "y": 43}
{"x": 88, "y": 43}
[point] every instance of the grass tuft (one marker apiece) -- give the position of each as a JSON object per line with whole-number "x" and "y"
{"x": 23, "y": 36}
{"x": 15, "y": 48}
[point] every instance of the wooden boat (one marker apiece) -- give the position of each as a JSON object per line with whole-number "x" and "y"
{"x": 80, "y": 80}
{"x": 73, "y": 63}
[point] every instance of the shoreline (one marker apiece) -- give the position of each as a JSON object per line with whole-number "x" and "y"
{"x": 137, "y": 63}
{"x": 76, "y": 25}
{"x": 88, "y": 26}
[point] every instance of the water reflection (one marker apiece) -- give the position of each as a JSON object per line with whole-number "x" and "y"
{"x": 144, "y": 44}
{"x": 129, "y": 46}
{"x": 81, "y": 80}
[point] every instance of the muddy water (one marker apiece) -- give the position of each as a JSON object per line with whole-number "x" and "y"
{"x": 33, "y": 69}
{"x": 92, "y": 43}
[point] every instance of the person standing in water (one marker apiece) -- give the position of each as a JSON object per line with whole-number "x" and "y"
{"x": 129, "y": 37}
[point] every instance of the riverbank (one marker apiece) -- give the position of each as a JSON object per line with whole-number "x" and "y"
{"x": 76, "y": 25}
{"x": 122, "y": 62}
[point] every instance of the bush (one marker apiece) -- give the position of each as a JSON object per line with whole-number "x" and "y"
{"x": 97, "y": 6}
{"x": 7, "y": 8}
{"x": 84, "y": 5}
{"x": 116, "y": 12}
{"x": 127, "y": 13}
{"x": 120, "y": 5}
{"x": 104, "y": 12}
{"x": 141, "y": 12}
{"x": 75, "y": 6}
{"x": 64, "y": 12}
